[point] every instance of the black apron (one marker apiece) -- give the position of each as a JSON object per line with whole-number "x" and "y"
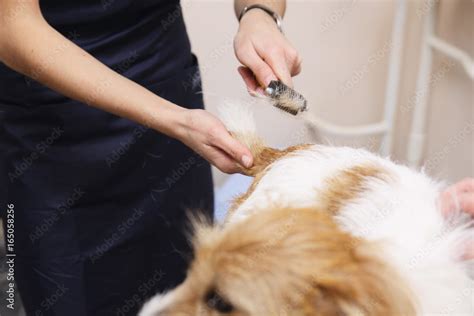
{"x": 101, "y": 202}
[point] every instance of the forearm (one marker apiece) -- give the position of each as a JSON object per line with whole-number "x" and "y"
{"x": 32, "y": 47}
{"x": 278, "y": 6}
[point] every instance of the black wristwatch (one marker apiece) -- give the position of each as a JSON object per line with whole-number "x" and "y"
{"x": 274, "y": 15}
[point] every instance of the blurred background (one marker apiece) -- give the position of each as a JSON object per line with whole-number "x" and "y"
{"x": 346, "y": 46}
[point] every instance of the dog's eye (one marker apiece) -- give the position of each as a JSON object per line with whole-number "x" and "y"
{"x": 216, "y": 302}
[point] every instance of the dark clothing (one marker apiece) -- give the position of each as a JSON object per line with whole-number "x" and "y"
{"x": 101, "y": 202}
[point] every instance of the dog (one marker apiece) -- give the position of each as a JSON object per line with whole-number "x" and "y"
{"x": 325, "y": 231}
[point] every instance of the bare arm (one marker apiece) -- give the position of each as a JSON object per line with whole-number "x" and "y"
{"x": 29, "y": 45}
{"x": 32, "y": 47}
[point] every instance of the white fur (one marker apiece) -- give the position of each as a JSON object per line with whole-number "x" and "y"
{"x": 402, "y": 214}
{"x": 154, "y": 305}
{"x": 237, "y": 117}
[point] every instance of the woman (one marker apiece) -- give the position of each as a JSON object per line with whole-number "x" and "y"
{"x": 97, "y": 99}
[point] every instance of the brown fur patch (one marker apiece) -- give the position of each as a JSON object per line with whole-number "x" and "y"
{"x": 346, "y": 185}
{"x": 339, "y": 189}
{"x": 262, "y": 160}
{"x": 267, "y": 156}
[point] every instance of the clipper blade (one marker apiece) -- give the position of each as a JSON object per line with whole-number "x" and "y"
{"x": 285, "y": 98}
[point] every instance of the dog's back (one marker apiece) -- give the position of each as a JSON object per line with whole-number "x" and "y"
{"x": 372, "y": 198}
{"x": 325, "y": 231}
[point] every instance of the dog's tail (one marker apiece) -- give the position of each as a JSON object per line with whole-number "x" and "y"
{"x": 240, "y": 122}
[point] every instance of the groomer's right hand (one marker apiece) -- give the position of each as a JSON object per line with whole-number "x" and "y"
{"x": 206, "y": 135}
{"x": 265, "y": 52}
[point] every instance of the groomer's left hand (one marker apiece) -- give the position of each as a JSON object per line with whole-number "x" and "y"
{"x": 264, "y": 51}
{"x": 460, "y": 197}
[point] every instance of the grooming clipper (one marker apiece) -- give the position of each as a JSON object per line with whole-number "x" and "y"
{"x": 285, "y": 98}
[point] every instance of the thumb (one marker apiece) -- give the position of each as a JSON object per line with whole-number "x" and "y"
{"x": 236, "y": 150}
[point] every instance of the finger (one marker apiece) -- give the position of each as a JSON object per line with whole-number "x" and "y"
{"x": 235, "y": 149}
{"x": 293, "y": 61}
{"x": 296, "y": 69}
{"x": 252, "y": 85}
{"x": 226, "y": 164}
{"x": 249, "y": 78}
{"x": 261, "y": 70}
{"x": 452, "y": 201}
{"x": 221, "y": 160}
{"x": 296, "y": 66}
{"x": 277, "y": 61}
{"x": 466, "y": 202}
{"x": 466, "y": 185}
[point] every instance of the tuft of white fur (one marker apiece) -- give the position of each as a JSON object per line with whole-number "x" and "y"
{"x": 153, "y": 306}
{"x": 239, "y": 121}
{"x": 237, "y": 117}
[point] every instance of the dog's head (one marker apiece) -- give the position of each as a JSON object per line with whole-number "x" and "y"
{"x": 283, "y": 262}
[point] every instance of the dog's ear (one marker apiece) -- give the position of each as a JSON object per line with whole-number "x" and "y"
{"x": 304, "y": 259}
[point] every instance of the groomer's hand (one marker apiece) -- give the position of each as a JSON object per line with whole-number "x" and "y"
{"x": 207, "y": 136}
{"x": 264, "y": 51}
{"x": 460, "y": 197}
